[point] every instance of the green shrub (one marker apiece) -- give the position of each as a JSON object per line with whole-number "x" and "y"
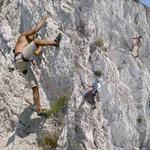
{"x": 77, "y": 65}
{"x": 49, "y": 142}
{"x": 99, "y": 42}
{"x": 98, "y": 73}
{"x": 139, "y": 120}
{"x": 104, "y": 49}
{"x": 58, "y": 105}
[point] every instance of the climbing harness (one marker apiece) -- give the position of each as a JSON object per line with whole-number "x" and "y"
{"x": 19, "y": 56}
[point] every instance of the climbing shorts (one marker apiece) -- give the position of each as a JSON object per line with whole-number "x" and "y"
{"x": 29, "y": 51}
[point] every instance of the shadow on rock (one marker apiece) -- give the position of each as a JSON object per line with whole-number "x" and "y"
{"x": 27, "y": 125}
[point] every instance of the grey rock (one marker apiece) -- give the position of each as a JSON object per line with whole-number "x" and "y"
{"x": 96, "y": 38}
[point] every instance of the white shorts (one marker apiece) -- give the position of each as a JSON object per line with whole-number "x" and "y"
{"x": 22, "y": 65}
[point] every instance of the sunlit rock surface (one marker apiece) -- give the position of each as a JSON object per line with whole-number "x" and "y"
{"x": 96, "y": 37}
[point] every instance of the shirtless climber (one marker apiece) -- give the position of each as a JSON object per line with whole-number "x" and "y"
{"x": 137, "y": 41}
{"x": 26, "y": 47}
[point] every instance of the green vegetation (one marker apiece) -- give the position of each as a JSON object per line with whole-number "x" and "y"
{"x": 77, "y": 64}
{"x": 52, "y": 141}
{"x": 58, "y": 108}
{"x": 104, "y": 49}
{"x": 58, "y": 105}
{"x": 98, "y": 73}
{"x": 99, "y": 42}
{"x": 139, "y": 120}
{"x": 49, "y": 142}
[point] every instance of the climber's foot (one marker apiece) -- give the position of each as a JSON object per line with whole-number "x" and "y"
{"x": 43, "y": 112}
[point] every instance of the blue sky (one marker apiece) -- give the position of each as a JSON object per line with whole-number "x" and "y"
{"x": 146, "y": 2}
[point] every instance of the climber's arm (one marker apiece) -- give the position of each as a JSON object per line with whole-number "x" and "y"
{"x": 36, "y": 28}
{"x": 38, "y": 51}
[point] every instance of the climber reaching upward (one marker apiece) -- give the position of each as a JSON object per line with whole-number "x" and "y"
{"x": 137, "y": 42}
{"x": 26, "y": 47}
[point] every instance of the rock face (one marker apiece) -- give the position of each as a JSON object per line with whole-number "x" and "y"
{"x": 96, "y": 45}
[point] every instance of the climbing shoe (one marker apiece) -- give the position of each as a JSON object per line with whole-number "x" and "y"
{"x": 43, "y": 112}
{"x": 58, "y": 39}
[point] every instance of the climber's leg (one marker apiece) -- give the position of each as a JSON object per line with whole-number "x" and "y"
{"x": 45, "y": 42}
{"x": 36, "y": 98}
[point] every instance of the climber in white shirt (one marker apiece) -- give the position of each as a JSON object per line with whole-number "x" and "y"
{"x": 92, "y": 92}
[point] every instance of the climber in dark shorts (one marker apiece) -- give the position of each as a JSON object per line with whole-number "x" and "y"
{"x": 92, "y": 92}
{"x": 26, "y": 47}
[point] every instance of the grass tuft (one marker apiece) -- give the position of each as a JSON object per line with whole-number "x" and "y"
{"x": 58, "y": 105}
{"x": 98, "y": 73}
{"x": 104, "y": 49}
{"x": 99, "y": 42}
{"x": 49, "y": 142}
{"x": 139, "y": 120}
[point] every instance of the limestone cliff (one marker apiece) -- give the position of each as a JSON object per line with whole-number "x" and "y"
{"x": 96, "y": 44}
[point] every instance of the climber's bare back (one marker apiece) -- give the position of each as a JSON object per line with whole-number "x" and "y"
{"x": 21, "y": 43}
